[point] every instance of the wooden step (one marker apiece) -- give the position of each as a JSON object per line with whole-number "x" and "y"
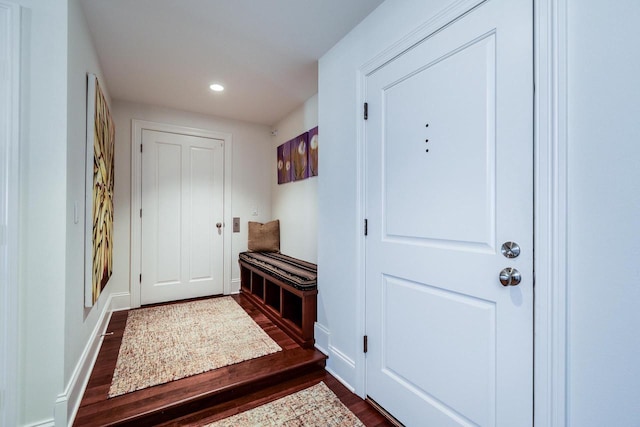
{"x": 165, "y": 402}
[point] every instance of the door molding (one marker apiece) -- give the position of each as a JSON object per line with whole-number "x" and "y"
{"x": 550, "y": 191}
{"x": 550, "y": 212}
{"x": 137, "y": 126}
{"x": 9, "y": 214}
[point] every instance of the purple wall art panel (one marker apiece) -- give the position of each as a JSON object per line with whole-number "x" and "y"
{"x": 313, "y": 152}
{"x": 299, "y": 158}
{"x": 284, "y": 163}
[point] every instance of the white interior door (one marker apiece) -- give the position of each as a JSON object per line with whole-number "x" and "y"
{"x": 182, "y": 217}
{"x": 449, "y": 143}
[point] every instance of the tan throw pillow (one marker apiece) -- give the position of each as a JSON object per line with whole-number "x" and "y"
{"x": 264, "y": 237}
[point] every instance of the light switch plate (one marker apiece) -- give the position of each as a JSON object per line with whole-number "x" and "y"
{"x": 236, "y": 225}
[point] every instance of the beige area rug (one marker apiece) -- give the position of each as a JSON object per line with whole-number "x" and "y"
{"x": 315, "y": 406}
{"x": 166, "y": 343}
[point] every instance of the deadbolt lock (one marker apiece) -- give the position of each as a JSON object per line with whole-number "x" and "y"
{"x": 510, "y": 249}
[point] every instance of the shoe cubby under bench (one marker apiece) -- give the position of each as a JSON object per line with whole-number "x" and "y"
{"x": 284, "y": 289}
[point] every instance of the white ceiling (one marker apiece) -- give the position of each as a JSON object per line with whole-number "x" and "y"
{"x": 265, "y": 52}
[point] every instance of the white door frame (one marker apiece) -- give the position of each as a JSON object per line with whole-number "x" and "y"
{"x": 550, "y": 191}
{"x": 550, "y": 211}
{"x": 9, "y": 224}
{"x": 137, "y": 126}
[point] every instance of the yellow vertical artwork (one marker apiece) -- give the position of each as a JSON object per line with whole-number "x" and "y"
{"x": 103, "y": 179}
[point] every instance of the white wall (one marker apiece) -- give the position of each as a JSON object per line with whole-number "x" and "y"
{"x": 295, "y": 204}
{"x": 80, "y": 322}
{"x": 604, "y": 213}
{"x": 339, "y": 225}
{"x": 43, "y": 208}
{"x": 251, "y": 182}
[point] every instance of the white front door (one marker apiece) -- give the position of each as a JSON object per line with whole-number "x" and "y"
{"x": 182, "y": 215}
{"x": 449, "y": 143}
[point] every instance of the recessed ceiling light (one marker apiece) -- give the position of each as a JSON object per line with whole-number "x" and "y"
{"x": 216, "y": 87}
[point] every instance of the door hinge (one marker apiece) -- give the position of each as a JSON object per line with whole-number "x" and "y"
{"x": 365, "y": 343}
{"x": 140, "y": 278}
{"x": 366, "y": 226}
{"x": 366, "y": 110}
{"x": 140, "y": 213}
{"x": 141, "y": 148}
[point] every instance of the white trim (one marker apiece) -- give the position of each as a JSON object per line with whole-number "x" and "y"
{"x": 339, "y": 378}
{"x": 61, "y": 410}
{"x": 235, "y": 286}
{"x": 321, "y": 334}
{"x": 137, "y": 126}
{"x": 44, "y": 423}
{"x": 360, "y": 385}
{"x": 9, "y": 216}
{"x": 550, "y": 323}
{"x": 342, "y": 367}
{"x": 68, "y": 402}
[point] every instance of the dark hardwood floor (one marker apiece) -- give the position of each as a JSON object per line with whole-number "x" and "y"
{"x": 213, "y": 395}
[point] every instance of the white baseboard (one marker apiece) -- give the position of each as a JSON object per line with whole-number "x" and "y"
{"x": 321, "y": 334}
{"x": 120, "y": 301}
{"x": 68, "y": 403}
{"x": 342, "y": 367}
{"x": 339, "y": 365}
{"x": 339, "y": 378}
{"x": 45, "y": 423}
{"x": 235, "y": 286}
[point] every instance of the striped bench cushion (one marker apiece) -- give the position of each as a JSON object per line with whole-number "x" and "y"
{"x": 300, "y": 274}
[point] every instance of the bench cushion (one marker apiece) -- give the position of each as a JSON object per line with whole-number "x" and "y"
{"x": 300, "y": 274}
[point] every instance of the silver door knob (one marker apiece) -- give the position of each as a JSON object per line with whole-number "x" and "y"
{"x": 510, "y": 277}
{"x": 219, "y": 225}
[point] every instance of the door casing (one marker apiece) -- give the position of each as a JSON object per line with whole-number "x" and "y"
{"x": 137, "y": 126}
{"x": 10, "y": 14}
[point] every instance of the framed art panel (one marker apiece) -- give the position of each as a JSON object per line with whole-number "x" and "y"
{"x": 299, "y": 158}
{"x": 284, "y": 163}
{"x": 98, "y": 192}
{"x": 313, "y": 152}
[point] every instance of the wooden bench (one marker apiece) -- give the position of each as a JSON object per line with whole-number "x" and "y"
{"x": 284, "y": 289}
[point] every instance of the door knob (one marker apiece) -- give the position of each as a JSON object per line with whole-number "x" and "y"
{"x": 219, "y": 225}
{"x": 510, "y": 277}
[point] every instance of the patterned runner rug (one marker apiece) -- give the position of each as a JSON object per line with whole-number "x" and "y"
{"x": 166, "y": 343}
{"x": 315, "y": 406}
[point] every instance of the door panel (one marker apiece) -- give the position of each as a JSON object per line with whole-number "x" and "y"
{"x": 463, "y": 322}
{"x": 167, "y": 233}
{"x": 449, "y": 179}
{"x": 202, "y": 205}
{"x": 439, "y": 154}
{"x": 182, "y": 200}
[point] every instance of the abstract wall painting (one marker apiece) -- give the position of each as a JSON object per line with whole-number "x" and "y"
{"x": 297, "y": 159}
{"x": 284, "y": 163}
{"x": 99, "y": 192}
{"x": 313, "y": 152}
